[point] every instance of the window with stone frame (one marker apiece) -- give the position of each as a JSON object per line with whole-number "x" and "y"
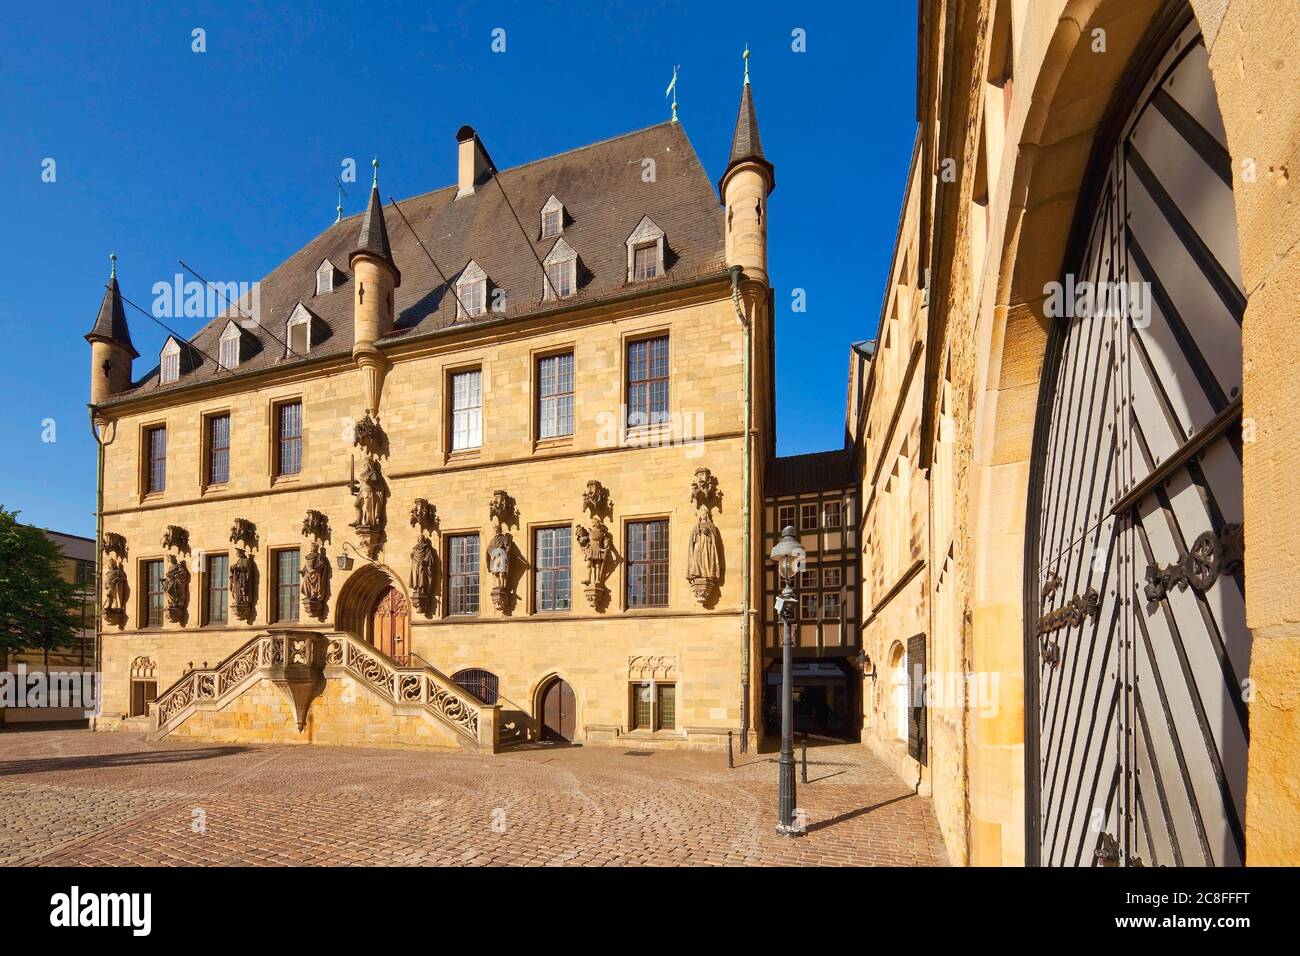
{"x": 467, "y": 410}
{"x": 287, "y": 585}
{"x": 216, "y": 579}
{"x": 561, "y": 265}
{"x": 169, "y": 362}
{"x": 553, "y": 568}
{"x": 653, "y": 706}
{"x": 151, "y": 572}
{"x": 647, "y": 382}
{"x": 462, "y": 574}
{"x": 325, "y": 278}
{"x": 218, "y": 442}
{"x": 288, "y": 438}
{"x": 555, "y": 395}
{"x": 647, "y": 563}
{"x": 155, "y": 466}
{"x": 645, "y": 251}
{"x": 228, "y": 346}
{"x": 552, "y": 218}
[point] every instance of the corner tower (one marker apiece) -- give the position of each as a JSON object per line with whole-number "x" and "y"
{"x": 111, "y": 351}
{"x": 745, "y": 187}
{"x": 375, "y": 278}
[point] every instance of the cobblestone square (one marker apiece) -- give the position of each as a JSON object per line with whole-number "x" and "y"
{"x": 70, "y": 797}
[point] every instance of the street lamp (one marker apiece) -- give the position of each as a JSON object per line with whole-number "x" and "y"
{"x": 788, "y": 555}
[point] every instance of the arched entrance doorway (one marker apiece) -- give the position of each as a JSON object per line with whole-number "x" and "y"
{"x": 390, "y": 623}
{"x": 1135, "y": 510}
{"x": 558, "y": 711}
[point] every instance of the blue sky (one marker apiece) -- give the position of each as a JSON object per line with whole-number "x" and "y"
{"x": 227, "y": 159}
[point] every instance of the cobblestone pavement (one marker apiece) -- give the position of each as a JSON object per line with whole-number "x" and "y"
{"x": 70, "y": 797}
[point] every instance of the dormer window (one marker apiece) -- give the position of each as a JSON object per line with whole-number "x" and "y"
{"x": 325, "y": 276}
{"x": 561, "y": 272}
{"x": 228, "y": 348}
{"x": 552, "y": 218}
{"x": 471, "y": 292}
{"x": 169, "y": 362}
{"x": 301, "y": 331}
{"x": 645, "y": 251}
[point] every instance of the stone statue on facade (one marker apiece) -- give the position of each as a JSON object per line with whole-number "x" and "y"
{"x": 243, "y": 583}
{"x": 704, "y": 552}
{"x": 115, "y": 591}
{"x": 500, "y": 550}
{"x": 424, "y": 560}
{"x": 315, "y": 574}
{"x": 370, "y": 497}
{"x": 176, "y": 586}
{"x": 596, "y": 543}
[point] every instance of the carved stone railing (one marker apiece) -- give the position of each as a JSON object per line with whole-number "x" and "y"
{"x": 415, "y": 685}
{"x": 300, "y": 661}
{"x": 288, "y": 657}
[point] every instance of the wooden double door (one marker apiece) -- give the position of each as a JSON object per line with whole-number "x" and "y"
{"x": 390, "y": 624}
{"x": 559, "y": 711}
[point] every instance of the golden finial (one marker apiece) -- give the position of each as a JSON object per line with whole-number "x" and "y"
{"x": 375, "y": 163}
{"x": 746, "y": 56}
{"x": 112, "y": 269}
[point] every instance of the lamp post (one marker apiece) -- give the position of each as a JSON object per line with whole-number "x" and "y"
{"x": 788, "y": 555}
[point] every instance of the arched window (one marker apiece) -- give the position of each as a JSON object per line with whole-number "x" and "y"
{"x": 898, "y": 690}
{"x": 482, "y": 684}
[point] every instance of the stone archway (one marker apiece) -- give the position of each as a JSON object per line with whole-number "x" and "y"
{"x": 364, "y": 590}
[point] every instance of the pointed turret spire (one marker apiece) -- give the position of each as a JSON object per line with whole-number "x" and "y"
{"x": 110, "y": 325}
{"x": 373, "y": 240}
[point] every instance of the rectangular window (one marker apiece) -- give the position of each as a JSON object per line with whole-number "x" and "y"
{"x": 831, "y": 606}
{"x": 288, "y": 438}
{"x": 785, "y": 517}
{"x": 561, "y": 276}
{"x": 807, "y": 517}
{"x": 462, "y": 574}
{"x": 143, "y": 693}
{"x": 833, "y": 516}
{"x": 153, "y": 593}
{"x": 647, "y": 382}
{"x": 555, "y": 396}
{"x": 831, "y": 577}
{"x": 218, "y": 586}
{"x": 155, "y": 443}
{"x": 85, "y": 572}
{"x": 287, "y": 584}
{"x": 229, "y": 354}
{"x": 170, "y": 369}
{"x": 647, "y": 564}
{"x": 808, "y": 607}
{"x": 666, "y": 704}
{"x": 467, "y": 410}
{"x": 550, "y": 223}
{"x": 218, "y": 449}
{"x": 642, "y": 707}
{"x": 473, "y": 298}
{"x": 645, "y": 262}
{"x": 807, "y": 579}
{"x": 552, "y": 564}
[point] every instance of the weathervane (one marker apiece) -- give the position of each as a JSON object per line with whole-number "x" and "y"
{"x": 342, "y": 194}
{"x": 112, "y": 269}
{"x": 746, "y": 56}
{"x": 672, "y": 88}
{"x": 375, "y": 165}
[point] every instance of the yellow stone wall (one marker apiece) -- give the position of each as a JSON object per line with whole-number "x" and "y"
{"x": 546, "y": 479}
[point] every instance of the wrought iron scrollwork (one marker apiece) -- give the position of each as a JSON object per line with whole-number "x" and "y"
{"x": 1072, "y": 613}
{"x": 1210, "y": 556}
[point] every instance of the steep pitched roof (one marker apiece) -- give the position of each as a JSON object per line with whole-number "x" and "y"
{"x": 607, "y": 199}
{"x": 373, "y": 240}
{"x": 110, "y": 324}
{"x": 746, "y": 145}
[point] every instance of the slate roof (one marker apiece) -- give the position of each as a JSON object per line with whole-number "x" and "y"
{"x": 110, "y": 324}
{"x": 604, "y": 195}
{"x": 800, "y": 474}
{"x": 746, "y": 145}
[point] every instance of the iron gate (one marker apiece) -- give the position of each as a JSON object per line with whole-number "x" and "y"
{"x": 1135, "y": 528}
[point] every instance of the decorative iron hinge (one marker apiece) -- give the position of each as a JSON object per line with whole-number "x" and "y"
{"x": 1072, "y": 613}
{"x": 1108, "y": 853}
{"x": 1049, "y": 651}
{"x": 1210, "y": 556}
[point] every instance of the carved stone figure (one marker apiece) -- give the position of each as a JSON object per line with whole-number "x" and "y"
{"x": 370, "y": 497}
{"x": 176, "y": 585}
{"x": 243, "y": 583}
{"x": 704, "y": 564}
{"x": 424, "y": 574}
{"x": 315, "y": 574}
{"x": 595, "y": 544}
{"x": 115, "y": 590}
{"x": 500, "y": 550}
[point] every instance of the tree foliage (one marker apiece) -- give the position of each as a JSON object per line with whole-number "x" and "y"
{"x": 38, "y": 608}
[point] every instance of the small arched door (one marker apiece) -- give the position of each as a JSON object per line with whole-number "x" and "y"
{"x": 559, "y": 711}
{"x": 389, "y": 624}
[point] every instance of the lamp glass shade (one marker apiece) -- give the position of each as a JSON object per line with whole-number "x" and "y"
{"x": 788, "y": 554}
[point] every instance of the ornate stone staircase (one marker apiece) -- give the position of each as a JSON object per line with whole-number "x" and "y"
{"x": 300, "y": 663}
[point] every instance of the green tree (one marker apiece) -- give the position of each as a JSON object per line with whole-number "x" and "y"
{"x": 38, "y": 608}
